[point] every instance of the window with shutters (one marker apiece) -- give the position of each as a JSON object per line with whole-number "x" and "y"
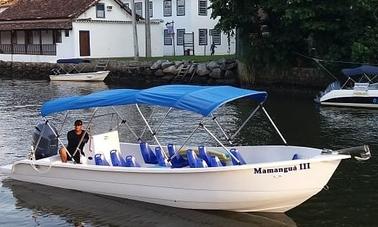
{"x": 167, "y": 38}
{"x": 167, "y": 8}
{"x": 202, "y": 7}
{"x": 180, "y": 7}
{"x": 139, "y": 8}
{"x": 215, "y": 36}
{"x": 180, "y": 37}
{"x": 100, "y": 10}
{"x": 202, "y": 37}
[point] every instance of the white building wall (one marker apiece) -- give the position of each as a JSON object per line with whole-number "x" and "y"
{"x": 191, "y": 22}
{"x": 112, "y": 36}
{"x": 28, "y": 58}
{"x": 116, "y": 39}
{"x": 115, "y": 14}
{"x": 66, "y": 48}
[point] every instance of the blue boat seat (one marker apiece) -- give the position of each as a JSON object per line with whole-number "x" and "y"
{"x": 295, "y": 157}
{"x": 215, "y": 162}
{"x": 237, "y": 154}
{"x": 203, "y": 154}
{"x": 194, "y": 160}
{"x": 147, "y": 153}
{"x": 161, "y": 157}
{"x": 131, "y": 161}
{"x": 178, "y": 161}
{"x": 211, "y": 161}
{"x": 100, "y": 160}
{"x": 116, "y": 158}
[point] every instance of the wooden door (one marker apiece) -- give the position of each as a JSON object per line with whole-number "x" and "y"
{"x": 85, "y": 49}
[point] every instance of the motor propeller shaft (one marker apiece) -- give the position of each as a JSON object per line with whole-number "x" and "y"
{"x": 360, "y": 153}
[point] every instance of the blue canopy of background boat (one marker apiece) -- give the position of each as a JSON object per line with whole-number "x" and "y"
{"x": 199, "y": 99}
{"x": 364, "y": 69}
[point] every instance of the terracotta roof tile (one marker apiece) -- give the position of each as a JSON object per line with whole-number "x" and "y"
{"x": 45, "y": 14}
{"x": 46, "y": 9}
{"x": 36, "y": 25}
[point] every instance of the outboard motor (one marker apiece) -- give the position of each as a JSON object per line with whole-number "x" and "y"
{"x": 45, "y": 143}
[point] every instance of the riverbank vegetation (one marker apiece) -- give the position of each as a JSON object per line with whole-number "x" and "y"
{"x": 272, "y": 35}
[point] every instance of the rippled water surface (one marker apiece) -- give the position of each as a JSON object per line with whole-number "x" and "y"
{"x": 351, "y": 199}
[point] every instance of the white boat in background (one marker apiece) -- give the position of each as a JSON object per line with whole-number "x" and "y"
{"x": 359, "y": 90}
{"x": 236, "y": 178}
{"x": 87, "y": 77}
{"x": 72, "y": 70}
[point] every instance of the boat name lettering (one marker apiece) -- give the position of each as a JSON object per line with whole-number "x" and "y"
{"x": 302, "y": 166}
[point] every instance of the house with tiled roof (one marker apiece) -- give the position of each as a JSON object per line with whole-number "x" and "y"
{"x": 47, "y": 30}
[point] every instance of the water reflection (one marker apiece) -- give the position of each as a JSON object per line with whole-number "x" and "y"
{"x": 95, "y": 210}
{"x": 351, "y": 200}
{"x": 349, "y": 126}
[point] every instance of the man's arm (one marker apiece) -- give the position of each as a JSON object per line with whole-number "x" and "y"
{"x": 86, "y": 137}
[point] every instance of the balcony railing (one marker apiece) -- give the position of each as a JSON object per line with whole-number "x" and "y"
{"x": 29, "y": 49}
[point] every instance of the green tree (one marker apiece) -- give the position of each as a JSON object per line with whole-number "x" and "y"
{"x": 271, "y": 32}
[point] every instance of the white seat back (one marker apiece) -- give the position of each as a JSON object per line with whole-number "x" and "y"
{"x": 102, "y": 144}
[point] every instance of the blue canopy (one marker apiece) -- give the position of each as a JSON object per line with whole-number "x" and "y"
{"x": 199, "y": 99}
{"x": 364, "y": 69}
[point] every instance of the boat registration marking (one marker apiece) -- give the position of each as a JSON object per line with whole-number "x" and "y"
{"x": 302, "y": 166}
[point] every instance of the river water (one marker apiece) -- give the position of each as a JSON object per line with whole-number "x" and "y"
{"x": 351, "y": 199}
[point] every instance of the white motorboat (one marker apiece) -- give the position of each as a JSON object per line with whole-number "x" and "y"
{"x": 236, "y": 178}
{"x": 87, "y": 77}
{"x": 73, "y": 70}
{"x": 359, "y": 90}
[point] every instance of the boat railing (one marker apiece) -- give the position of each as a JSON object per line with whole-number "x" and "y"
{"x": 70, "y": 66}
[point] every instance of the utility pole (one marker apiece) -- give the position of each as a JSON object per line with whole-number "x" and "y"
{"x": 135, "y": 34}
{"x": 148, "y": 28}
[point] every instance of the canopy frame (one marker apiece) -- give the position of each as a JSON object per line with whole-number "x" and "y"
{"x": 239, "y": 93}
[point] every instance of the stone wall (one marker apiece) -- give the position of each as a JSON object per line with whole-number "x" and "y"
{"x": 163, "y": 71}
{"x": 135, "y": 73}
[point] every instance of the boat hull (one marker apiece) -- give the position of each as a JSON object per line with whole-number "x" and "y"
{"x": 351, "y": 98}
{"x": 253, "y": 187}
{"x": 91, "y": 76}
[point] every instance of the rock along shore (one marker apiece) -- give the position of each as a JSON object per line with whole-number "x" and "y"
{"x": 135, "y": 73}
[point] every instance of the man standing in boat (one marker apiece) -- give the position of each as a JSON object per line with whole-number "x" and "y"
{"x": 76, "y": 141}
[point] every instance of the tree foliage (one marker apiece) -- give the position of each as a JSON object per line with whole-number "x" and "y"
{"x": 272, "y": 31}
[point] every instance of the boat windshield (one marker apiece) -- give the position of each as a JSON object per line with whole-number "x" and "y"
{"x": 362, "y": 74}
